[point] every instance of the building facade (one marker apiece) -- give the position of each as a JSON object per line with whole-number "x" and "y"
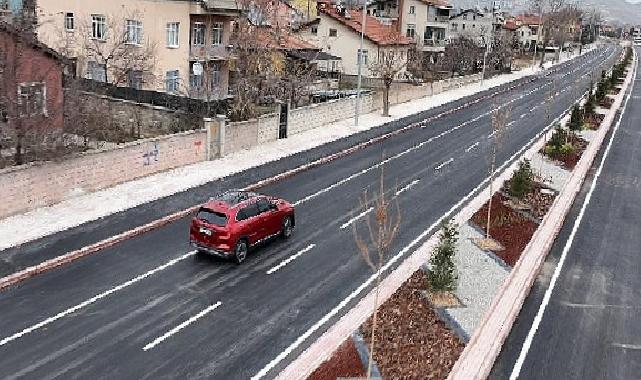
{"x": 474, "y": 24}
{"x": 338, "y": 31}
{"x": 189, "y": 38}
{"x": 426, "y": 23}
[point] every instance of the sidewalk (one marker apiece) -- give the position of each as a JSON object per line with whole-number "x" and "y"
{"x": 22, "y": 228}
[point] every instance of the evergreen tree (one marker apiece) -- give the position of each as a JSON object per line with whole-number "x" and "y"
{"x": 442, "y": 274}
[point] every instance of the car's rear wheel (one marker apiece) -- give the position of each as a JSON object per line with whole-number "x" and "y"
{"x": 288, "y": 227}
{"x": 240, "y": 253}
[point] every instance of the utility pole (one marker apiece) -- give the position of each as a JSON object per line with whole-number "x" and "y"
{"x": 360, "y": 63}
{"x": 487, "y": 44}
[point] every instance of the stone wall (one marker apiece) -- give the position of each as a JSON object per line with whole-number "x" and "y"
{"x": 23, "y": 188}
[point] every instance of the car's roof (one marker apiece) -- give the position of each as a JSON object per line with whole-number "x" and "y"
{"x": 230, "y": 199}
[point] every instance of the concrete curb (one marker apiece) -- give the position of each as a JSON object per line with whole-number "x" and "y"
{"x": 93, "y": 248}
{"x": 479, "y": 355}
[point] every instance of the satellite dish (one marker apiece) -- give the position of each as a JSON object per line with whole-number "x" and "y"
{"x": 197, "y": 68}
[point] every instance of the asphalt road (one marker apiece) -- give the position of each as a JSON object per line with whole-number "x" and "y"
{"x": 149, "y": 308}
{"x": 590, "y": 328}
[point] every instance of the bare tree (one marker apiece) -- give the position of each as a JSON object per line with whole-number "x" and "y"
{"x": 115, "y": 48}
{"x": 381, "y": 228}
{"x": 387, "y": 66}
{"x": 500, "y": 116}
{"x": 462, "y": 56}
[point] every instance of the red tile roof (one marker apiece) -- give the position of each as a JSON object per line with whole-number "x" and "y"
{"x": 269, "y": 38}
{"x": 528, "y": 19}
{"x": 375, "y": 31}
{"x": 510, "y": 25}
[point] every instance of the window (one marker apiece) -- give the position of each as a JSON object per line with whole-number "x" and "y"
{"x": 362, "y": 54}
{"x": 215, "y": 75}
{"x": 473, "y": 26}
{"x": 314, "y": 30}
{"x": 134, "y": 32}
{"x": 98, "y": 27}
{"x": 212, "y": 217}
{"x": 454, "y": 27}
{"x": 171, "y": 81}
{"x": 32, "y": 99}
{"x": 69, "y": 22}
{"x": 412, "y": 9}
{"x": 464, "y": 16}
{"x": 263, "y": 205}
{"x": 474, "y": 17}
{"x": 333, "y": 33}
{"x": 463, "y": 26}
{"x": 134, "y": 79}
{"x": 217, "y": 33}
{"x": 247, "y": 212}
{"x": 411, "y": 30}
{"x": 97, "y": 71}
{"x": 173, "y": 29}
{"x": 196, "y": 81}
{"x": 198, "y": 34}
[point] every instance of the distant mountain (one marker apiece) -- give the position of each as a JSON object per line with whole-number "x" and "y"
{"x": 616, "y": 11}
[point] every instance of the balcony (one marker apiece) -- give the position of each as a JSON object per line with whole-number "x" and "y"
{"x": 209, "y": 52}
{"x": 433, "y": 45}
{"x": 222, "y": 5}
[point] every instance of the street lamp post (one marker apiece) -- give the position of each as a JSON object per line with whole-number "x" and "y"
{"x": 540, "y": 30}
{"x": 360, "y": 62}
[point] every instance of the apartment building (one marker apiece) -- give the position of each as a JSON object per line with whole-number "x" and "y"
{"x": 190, "y": 40}
{"x": 527, "y": 30}
{"x": 474, "y": 24}
{"x": 426, "y": 22}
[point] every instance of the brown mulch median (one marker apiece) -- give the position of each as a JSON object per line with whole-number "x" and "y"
{"x": 606, "y": 103}
{"x": 345, "y": 362}
{"x": 540, "y": 202}
{"x": 594, "y": 120}
{"x": 508, "y": 227}
{"x": 411, "y": 341}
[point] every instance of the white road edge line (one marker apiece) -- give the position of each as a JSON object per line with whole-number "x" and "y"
{"x": 443, "y": 164}
{"x": 291, "y": 258}
{"x": 94, "y": 299}
{"x": 557, "y": 271}
{"x": 265, "y": 370}
{"x": 181, "y": 326}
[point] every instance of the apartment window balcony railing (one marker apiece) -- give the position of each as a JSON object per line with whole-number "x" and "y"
{"x": 444, "y": 19}
{"x": 215, "y": 52}
{"x": 434, "y": 43}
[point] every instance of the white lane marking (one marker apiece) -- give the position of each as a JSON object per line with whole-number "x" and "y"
{"x": 557, "y": 271}
{"x": 357, "y": 217}
{"x": 469, "y": 148}
{"x": 523, "y": 115}
{"x": 301, "y": 339}
{"x": 407, "y": 187}
{"x": 181, "y": 326}
{"x": 363, "y": 213}
{"x": 94, "y": 299}
{"x": 291, "y": 258}
{"x": 533, "y": 108}
{"x": 511, "y": 123}
{"x": 443, "y": 164}
{"x": 627, "y": 346}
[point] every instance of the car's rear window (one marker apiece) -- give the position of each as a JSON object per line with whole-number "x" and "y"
{"x": 212, "y": 217}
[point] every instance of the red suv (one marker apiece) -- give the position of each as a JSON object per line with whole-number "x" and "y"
{"x": 232, "y": 222}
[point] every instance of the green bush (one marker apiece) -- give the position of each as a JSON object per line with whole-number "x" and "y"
{"x": 442, "y": 274}
{"x": 589, "y": 106}
{"x": 522, "y": 181}
{"x": 566, "y": 148}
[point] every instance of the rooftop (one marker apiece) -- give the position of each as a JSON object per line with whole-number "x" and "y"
{"x": 375, "y": 31}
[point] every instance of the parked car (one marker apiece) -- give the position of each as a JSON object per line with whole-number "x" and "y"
{"x": 231, "y": 223}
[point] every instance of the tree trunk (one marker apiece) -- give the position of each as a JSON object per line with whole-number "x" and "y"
{"x": 386, "y": 100}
